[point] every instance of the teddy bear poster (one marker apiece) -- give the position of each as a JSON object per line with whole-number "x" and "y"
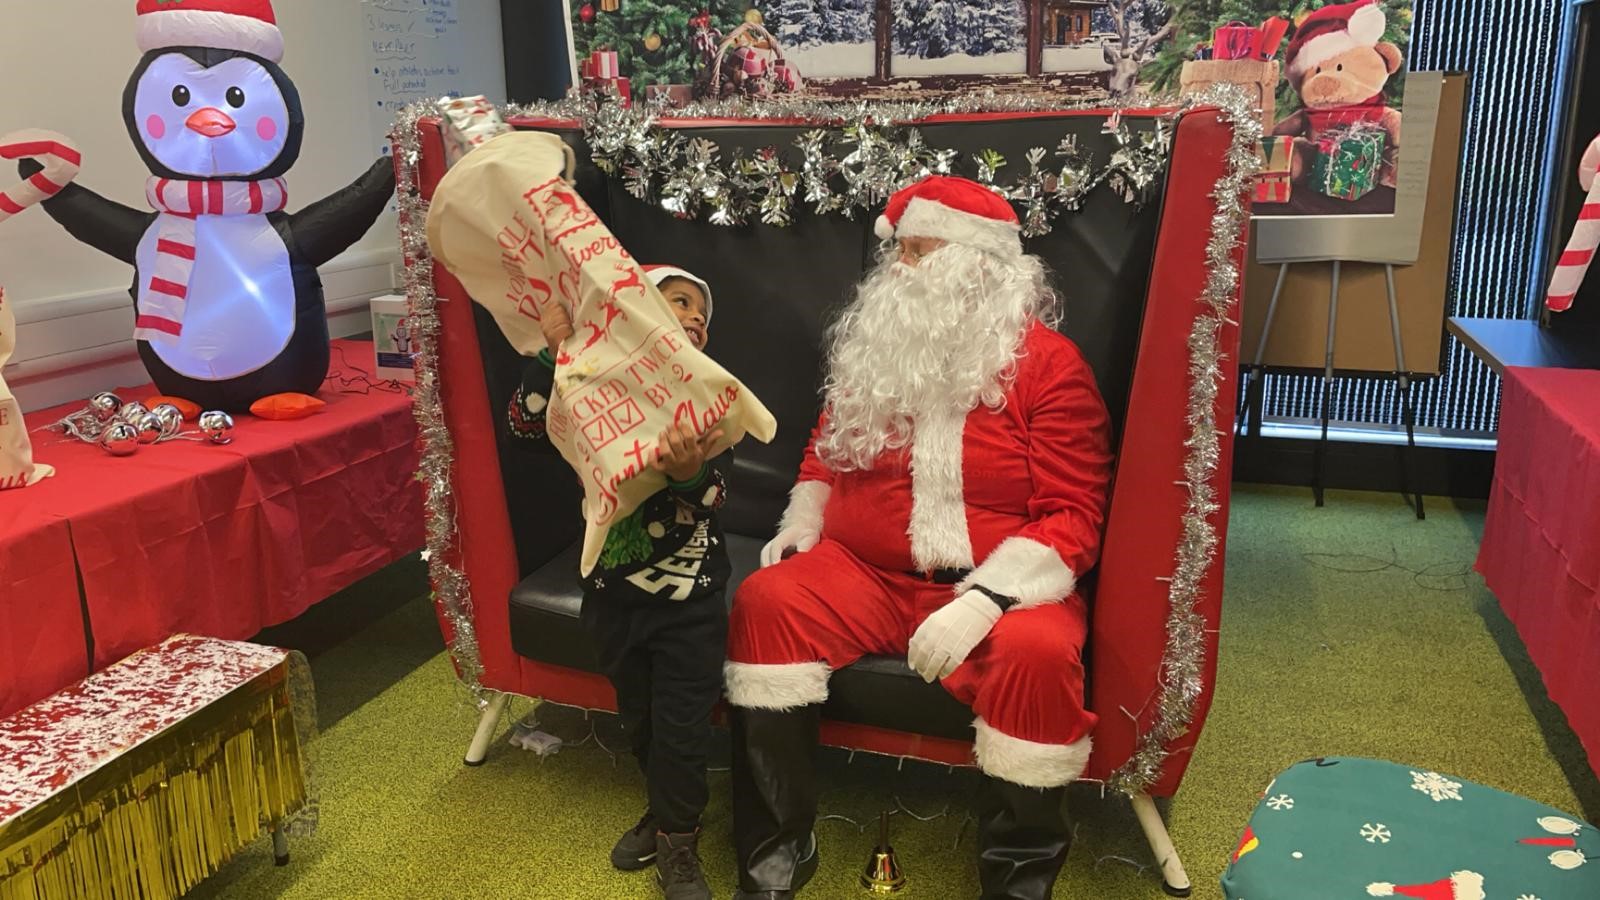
{"x": 1331, "y": 77}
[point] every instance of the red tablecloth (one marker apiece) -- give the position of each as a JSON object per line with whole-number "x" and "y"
{"x": 1541, "y": 541}
{"x": 191, "y": 537}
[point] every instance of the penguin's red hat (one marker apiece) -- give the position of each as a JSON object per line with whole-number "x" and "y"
{"x": 247, "y": 26}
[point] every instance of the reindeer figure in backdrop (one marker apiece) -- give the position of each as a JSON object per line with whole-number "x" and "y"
{"x": 1141, "y": 27}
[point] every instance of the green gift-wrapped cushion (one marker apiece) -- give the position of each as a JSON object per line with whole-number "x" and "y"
{"x": 1353, "y": 828}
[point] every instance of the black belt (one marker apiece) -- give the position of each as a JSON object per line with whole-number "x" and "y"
{"x": 942, "y": 576}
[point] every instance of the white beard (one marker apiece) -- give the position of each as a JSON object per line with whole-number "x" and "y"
{"x": 933, "y": 340}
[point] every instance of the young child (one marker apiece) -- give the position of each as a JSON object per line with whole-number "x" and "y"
{"x": 655, "y": 607}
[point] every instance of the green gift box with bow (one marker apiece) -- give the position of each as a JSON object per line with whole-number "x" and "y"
{"x": 1347, "y": 162}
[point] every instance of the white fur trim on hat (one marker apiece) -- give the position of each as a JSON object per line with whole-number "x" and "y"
{"x": 659, "y": 274}
{"x": 1022, "y": 568}
{"x": 218, "y": 30}
{"x": 807, "y": 500}
{"x": 1365, "y": 30}
{"x": 928, "y": 218}
{"x": 1029, "y": 763}
{"x": 776, "y": 687}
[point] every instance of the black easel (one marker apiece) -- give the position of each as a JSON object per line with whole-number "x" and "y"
{"x": 1251, "y": 395}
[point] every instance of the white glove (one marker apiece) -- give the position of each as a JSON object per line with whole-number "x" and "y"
{"x": 945, "y": 639}
{"x": 798, "y": 538}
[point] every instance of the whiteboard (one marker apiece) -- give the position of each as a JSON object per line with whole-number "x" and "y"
{"x": 427, "y": 49}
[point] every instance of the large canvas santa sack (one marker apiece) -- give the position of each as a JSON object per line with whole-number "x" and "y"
{"x": 17, "y": 468}
{"x": 507, "y": 223}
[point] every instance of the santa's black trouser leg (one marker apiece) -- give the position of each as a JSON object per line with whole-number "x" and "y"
{"x": 1023, "y": 837}
{"x": 774, "y": 799}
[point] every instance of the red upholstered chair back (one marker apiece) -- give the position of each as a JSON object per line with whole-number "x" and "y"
{"x": 1133, "y": 278}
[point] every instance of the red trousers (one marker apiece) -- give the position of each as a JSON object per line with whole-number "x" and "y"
{"x": 818, "y": 611}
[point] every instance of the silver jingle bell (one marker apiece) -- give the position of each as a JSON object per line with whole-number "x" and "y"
{"x": 105, "y": 405}
{"x": 217, "y": 427}
{"x": 120, "y": 439}
{"x": 171, "y": 419}
{"x": 150, "y": 428}
{"x": 132, "y": 412}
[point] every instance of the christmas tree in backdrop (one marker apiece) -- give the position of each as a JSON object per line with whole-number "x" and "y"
{"x": 653, "y": 38}
{"x": 1198, "y": 19}
{"x": 807, "y": 23}
{"x": 938, "y": 28}
{"x": 847, "y": 21}
{"x": 990, "y": 28}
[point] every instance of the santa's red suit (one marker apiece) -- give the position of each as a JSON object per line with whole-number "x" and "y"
{"x": 1016, "y": 495}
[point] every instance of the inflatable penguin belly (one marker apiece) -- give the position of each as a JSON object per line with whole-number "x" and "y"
{"x": 241, "y": 298}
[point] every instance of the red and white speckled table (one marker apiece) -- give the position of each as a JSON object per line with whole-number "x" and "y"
{"x": 151, "y": 772}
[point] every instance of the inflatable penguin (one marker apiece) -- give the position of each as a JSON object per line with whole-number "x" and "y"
{"x": 228, "y": 304}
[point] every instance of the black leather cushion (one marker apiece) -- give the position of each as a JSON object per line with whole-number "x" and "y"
{"x": 776, "y": 288}
{"x": 878, "y": 690}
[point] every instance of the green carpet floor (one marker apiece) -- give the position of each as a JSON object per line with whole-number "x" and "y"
{"x": 1349, "y": 630}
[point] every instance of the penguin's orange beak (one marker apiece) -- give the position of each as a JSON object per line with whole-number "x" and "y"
{"x": 211, "y": 122}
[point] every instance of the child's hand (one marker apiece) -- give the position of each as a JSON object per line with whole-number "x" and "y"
{"x": 681, "y": 455}
{"x": 556, "y": 325}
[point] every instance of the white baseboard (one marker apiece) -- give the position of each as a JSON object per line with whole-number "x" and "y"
{"x": 71, "y": 347}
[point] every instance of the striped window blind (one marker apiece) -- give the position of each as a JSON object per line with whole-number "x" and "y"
{"x": 1512, "y": 52}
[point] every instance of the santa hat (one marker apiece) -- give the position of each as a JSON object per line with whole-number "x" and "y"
{"x": 247, "y": 26}
{"x": 1460, "y": 886}
{"x": 1331, "y": 31}
{"x": 955, "y": 210}
{"x": 659, "y": 274}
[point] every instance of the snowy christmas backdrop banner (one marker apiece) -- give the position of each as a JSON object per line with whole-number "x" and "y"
{"x": 1328, "y": 76}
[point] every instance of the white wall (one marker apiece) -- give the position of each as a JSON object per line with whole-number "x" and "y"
{"x": 65, "y": 63}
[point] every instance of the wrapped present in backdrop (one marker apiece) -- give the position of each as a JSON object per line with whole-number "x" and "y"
{"x": 1277, "y": 166}
{"x": 1347, "y": 162}
{"x": 604, "y": 64}
{"x": 509, "y": 225}
{"x": 1269, "y": 37}
{"x": 1235, "y": 40}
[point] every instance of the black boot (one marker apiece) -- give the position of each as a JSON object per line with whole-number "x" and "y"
{"x": 774, "y": 800}
{"x": 1023, "y": 839}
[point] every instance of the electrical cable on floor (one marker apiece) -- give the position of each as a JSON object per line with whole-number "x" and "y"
{"x": 1453, "y": 577}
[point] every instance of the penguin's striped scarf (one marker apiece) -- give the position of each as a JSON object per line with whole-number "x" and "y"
{"x": 163, "y": 297}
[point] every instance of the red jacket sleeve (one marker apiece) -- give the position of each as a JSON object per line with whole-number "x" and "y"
{"x": 810, "y": 494}
{"x": 1069, "y": 454}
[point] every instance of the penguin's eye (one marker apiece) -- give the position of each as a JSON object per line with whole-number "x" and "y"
{"x": 235, "y": 97}
{"x": 180, "y": 95}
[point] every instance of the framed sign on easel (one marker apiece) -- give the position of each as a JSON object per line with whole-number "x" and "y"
{"x": 1387, "y": 273}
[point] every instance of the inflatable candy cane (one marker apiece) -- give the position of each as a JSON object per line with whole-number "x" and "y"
{"x": 1585, "y": 236}
{"x": 59, "y": 157}
{"x": 61, "y": 160}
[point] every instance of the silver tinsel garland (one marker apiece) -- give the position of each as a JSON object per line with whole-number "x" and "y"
{"x": 862, "y": 153}
{"x": 687, "y": 177}
{"x": 452, "y": 594}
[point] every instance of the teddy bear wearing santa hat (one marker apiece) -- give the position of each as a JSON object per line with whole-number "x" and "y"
{"x": 1340, "y": 65}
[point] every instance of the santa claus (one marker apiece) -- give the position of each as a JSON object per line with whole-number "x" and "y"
{"x": 951, "y": 497}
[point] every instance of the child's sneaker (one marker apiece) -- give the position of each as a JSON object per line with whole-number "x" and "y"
{"x": 636, "y": 849}
{"x": 678, "y": 867}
